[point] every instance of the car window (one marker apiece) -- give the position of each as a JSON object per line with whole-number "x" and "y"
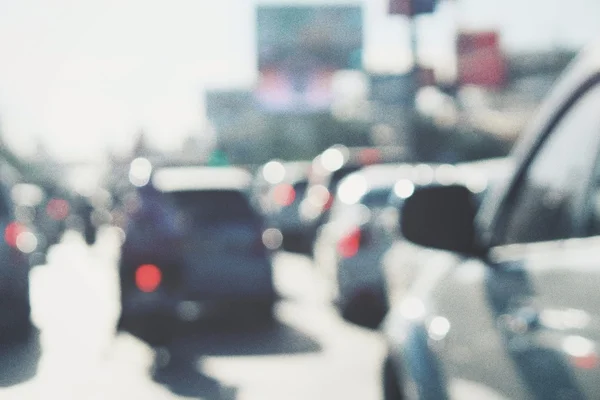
{"x": 209, "y": 206}
{"x": 551, "y": 194}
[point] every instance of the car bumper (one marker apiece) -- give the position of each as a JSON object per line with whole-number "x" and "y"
{"x": 135, "y": 306}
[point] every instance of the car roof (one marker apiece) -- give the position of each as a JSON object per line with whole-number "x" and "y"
{"x": 477, "y": 175}
{"x": 339, "y": 157}
{"x": 287, "y": 171}
{"x": 382, "y": 175}
{"x": 174, "y": 179}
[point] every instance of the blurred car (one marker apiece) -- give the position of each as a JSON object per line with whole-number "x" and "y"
{"x": 506, "y": 306}
{"x": 362, "y": 228}
{"x": 328, "y": 169}
{"x": 283, "y": 187}
{"x": 53, "y": 214}
{"x": 45, "y": 211}
{"x": 348, "y": 246}
{"x": 19, "y": 241}
{"x": 28, "y": 202}
{"x": 194, "y": 247}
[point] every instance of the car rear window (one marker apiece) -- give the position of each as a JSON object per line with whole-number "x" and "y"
{"x": 214, "y": 205}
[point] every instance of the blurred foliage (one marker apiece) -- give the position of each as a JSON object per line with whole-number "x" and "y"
{"x": 43, "y": 173}
{"x": 541, "y": 63}
{"x": 256, "y": 138}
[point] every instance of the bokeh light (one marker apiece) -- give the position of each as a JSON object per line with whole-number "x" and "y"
{"x": 140, "y": 172}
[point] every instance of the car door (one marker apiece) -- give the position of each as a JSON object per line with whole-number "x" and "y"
{"x": 550, "y": 252}
{"x": 525, "y": 322}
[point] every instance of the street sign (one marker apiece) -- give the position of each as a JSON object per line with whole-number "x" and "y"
{"x": 411, "y": 7}
{"x": 480, "y": 59}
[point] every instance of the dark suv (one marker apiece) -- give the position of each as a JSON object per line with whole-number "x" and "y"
{"x": 193, "y": 248}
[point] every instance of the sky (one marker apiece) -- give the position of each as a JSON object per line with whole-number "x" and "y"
{"x": 83, "y": 76}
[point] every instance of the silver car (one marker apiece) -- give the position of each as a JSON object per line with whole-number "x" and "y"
{"x": 348, "y": 246}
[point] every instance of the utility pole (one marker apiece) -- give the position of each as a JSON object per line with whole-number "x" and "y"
{"x": 411, "y": 9}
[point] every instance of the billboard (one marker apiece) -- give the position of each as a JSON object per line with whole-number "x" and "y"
{"x": 299, "y": 50}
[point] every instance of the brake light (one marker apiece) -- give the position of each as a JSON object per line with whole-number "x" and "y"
{"x": 369, "y": 156}
{"x": 284, "y": 195}
{"x": 349, "y": 245}
{"x": 148, "y": 277}
{"x": 12, "y": 232}
{"x": 58, "y": 209}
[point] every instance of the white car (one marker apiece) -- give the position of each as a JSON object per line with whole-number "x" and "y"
{"x": 348, "y": 246}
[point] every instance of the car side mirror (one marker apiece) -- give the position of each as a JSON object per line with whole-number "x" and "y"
{"x": 442, "y": 217}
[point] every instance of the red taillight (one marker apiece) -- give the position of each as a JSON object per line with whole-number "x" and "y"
{"x": 284, "y": 195}
{"x": 58, "y": 209}
{"x": 148, "y": 277}
{"x": 369, "y": 156}
{"x": 12, "y": 232}
{"x": 350, "y": 244}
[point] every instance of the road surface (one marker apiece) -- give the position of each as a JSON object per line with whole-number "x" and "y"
{"x": 310, "y": 353}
